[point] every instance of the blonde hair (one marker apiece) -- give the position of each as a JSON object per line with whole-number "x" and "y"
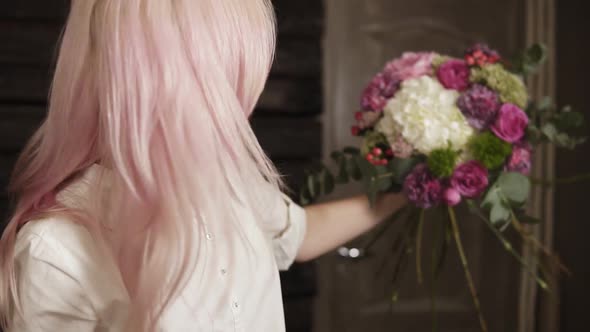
{"x": 160, "y": 91}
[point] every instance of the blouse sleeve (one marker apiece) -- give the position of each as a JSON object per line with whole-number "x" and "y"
{"x": 51, "y": 299}
{"x": 64, "y": 282}
{"x": 286, "y": 227}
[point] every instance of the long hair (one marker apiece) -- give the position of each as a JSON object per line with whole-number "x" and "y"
{"x": 160, "y": 91}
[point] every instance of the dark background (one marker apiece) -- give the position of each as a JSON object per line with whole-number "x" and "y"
{"x": 287, "y": 125}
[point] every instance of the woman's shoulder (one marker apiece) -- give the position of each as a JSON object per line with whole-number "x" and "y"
{"x": 47, "y": 236}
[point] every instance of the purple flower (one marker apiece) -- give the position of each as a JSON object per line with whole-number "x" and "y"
{"x": 451, "y": 196}
{"x": 520, "y": 159}
{"x": 511, "y": 123}
{"x": 454, "y": 74}
{"x": 381, "y": 88}
{"x": 480, "y": 106}
{"x": 470, "y": 179}
{"x": 411, "y": 65}
{"x": 422, "y": 188}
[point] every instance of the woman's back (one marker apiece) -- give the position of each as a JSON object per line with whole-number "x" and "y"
{"x": 69, "y": 282}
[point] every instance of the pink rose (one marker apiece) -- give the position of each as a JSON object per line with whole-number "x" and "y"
{"x": 511, "y": 123}
{"x": 470, "y": 179}
{"x": 454, "y": 74}
{"x": 520, "y": 159}
{"x": 451, "y": 197}
{"x": 411, "y": 65}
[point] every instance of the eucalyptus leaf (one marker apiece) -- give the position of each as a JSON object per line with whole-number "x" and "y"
{"x": 545, "y": 104}
{"x": 492, "y": 198}
{"x": 499, "y": 214}
{"x": 402, "y": 167}
{"x": 353, "y": 168}
{"x": 304, "y": 197}
{"x": 352, "y": 150}
{"x": 515, "y": 187}
{"x": 328, "y": 182}
{"x": 312, "y": 186}
{"x": 342, "y": 176}
{"x": 337, "y": 156}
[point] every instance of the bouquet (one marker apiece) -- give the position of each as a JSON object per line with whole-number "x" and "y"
{"x": 447, "y": 131}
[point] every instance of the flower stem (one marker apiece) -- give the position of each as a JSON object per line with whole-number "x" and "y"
{"x": 529, "y": 238}
{"x": 468, "y": 276}
{"x": 542, "y": 283}
{"x": 419, "y": 247}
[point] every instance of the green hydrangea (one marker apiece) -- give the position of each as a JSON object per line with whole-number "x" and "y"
{"x": 441, "y": 162}
{"x": 372, "y": 139}
{"x": 489, "y": 150}
{"x": 438, "y": 60}
{"x": 509, "y": 86}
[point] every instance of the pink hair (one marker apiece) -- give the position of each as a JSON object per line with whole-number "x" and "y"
{"x": 160, "y": 91}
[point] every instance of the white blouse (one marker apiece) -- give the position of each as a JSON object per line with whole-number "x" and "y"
{"x": 68, "y": 284}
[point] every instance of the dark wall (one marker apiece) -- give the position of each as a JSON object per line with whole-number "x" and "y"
{"x": 285, "y": 119}
{"x": 571, "y": 207}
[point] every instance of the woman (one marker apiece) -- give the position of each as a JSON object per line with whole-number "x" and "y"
{"x": 144, "y": 201}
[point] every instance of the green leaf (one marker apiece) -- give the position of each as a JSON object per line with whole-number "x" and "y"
{"x": 366, "y": 169}
{"x": 342, "y": 172}
{"x": 569, "y": 120}
{"x": 304, "y": 197}
{"x": 328, "y": 182}
{"x": 550, "y": 131}
{"x": 312, "y": 186}
{"x": 337, "y": 156}
{"x": 353, "y": 168}
{"x": 515, "y": 187}
{"x": 352, "y": 150}
{"x": 533, "y": 58}
{"x": 492, "y": 198}
{"x": 499, "y": 214}
{"x": 402, "y": 167}
{"x": 545, "y": 104}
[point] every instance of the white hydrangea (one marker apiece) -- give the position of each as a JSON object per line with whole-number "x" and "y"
{"x": 426, "y": 115}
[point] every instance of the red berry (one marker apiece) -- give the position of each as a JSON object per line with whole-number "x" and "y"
{"x": 370, "y": 157}
{"x": 383, "y": 162}
{"x": 389, "y": 152}
{"x": 358, "y": 116}
{"x": 355, "y": 130}
{"x": 478, "y": 54}
{"x": 377, "y": 151}
{"x": 470, "y": 60}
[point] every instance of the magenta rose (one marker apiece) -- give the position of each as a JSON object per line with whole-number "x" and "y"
{"x": 422, "y": 188}
{"x": 451, "y": 197}
{"x": 454, "y": 74}
{"x": 520, "y": 159}
{"x": 470, "y": 179}
{"x": 381, "y": 88}
{"x": 511, "y": 123}
{"x": 411, "y": 65}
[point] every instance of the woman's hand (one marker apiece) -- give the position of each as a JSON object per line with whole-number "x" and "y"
{"x": 332, "y": 224}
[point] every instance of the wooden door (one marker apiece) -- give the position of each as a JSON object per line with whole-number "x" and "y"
{"x": 361, "y": 36}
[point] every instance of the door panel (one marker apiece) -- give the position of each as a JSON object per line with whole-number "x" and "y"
{"x": 361, "y": 37}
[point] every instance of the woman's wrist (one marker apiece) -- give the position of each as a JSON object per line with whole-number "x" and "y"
{"x": 387, "y": 204}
